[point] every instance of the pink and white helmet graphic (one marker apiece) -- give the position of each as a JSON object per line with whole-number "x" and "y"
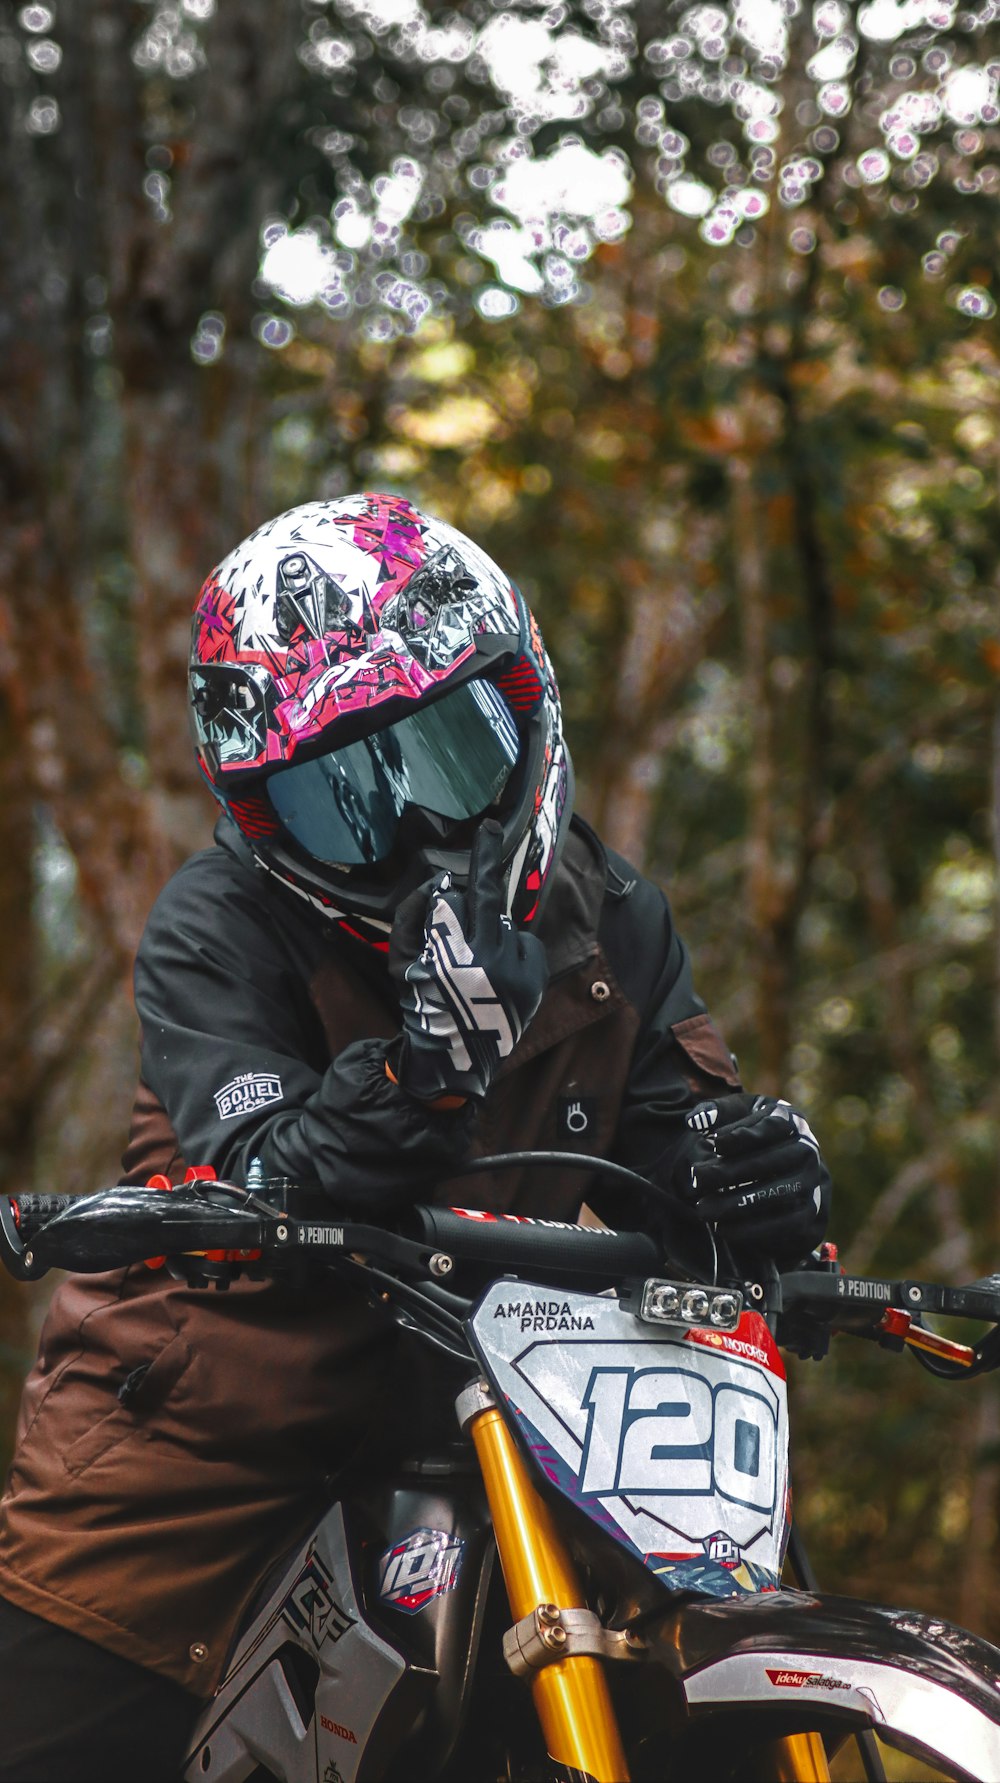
{"x": 333, "y": 623}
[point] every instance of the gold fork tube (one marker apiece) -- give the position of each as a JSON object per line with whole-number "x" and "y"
{"x": 799, "y": 1758}
{"x": 571, "y": 1695}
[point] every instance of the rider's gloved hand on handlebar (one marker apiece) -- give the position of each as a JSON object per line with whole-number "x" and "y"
{"x": 751, "y": 1165}
{"x": 474, "y": 986}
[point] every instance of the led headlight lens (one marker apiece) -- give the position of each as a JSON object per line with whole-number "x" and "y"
{"x": 694, "y": 1306}
{"x": 685, "y": 1304}
{"x": 724, "y": 1312}
{"x": 661, "y": 1300}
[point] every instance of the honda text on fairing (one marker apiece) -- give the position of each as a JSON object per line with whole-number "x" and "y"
{"x": 619, "y": 1440}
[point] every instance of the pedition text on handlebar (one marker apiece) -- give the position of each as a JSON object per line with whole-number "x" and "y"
{"x": 856, "y": 1288}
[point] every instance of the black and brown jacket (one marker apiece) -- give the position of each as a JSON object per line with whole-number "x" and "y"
{"x": 172, "y": 1442}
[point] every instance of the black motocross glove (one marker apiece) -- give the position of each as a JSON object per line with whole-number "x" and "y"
{"x": 470, "y": 994}
{"x": 751, "y": 1165}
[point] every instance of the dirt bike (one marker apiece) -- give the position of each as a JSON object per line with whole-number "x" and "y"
{"x": 621, "y": 1444}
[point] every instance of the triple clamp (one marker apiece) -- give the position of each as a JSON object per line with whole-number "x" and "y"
{"x": 551, "y": 1633}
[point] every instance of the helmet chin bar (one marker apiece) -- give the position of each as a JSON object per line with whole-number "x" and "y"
{"x": 420, "y": 829}
{"x": 366, "y": 897}
{"x": 355, "y": 894}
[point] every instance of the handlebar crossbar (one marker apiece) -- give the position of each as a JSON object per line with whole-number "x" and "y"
{"x": 513, "y": 1239}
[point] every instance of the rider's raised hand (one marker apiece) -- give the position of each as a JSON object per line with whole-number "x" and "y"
{"x": 473, "y": 988}
{"x": 752, "y": 1165}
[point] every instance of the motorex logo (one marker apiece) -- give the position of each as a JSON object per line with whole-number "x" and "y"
{"x": 254, "y": 1089}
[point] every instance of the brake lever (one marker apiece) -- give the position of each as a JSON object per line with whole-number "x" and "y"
{"x": 907, "y": 1329}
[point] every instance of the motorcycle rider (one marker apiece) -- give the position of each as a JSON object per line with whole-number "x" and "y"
{"x": 403, "y": 950}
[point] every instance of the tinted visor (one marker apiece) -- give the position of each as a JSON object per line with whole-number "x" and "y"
{"x": 453, "y": 758}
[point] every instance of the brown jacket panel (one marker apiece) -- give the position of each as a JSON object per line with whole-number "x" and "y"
{"x": 174, "y": 1443}
{"x": 146, "y": 1527}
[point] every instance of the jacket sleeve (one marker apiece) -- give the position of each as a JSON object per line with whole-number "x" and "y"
{"x": 680, "y": 1057}
{"x": 233, "y": 1048}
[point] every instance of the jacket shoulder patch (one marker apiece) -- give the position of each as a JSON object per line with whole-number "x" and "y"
{"x": 254, "y": 1089}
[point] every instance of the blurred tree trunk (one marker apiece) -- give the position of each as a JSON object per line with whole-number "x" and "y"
{"x": 781, "y": 577}
{"x": 189, "y": 428}
{"x": 69, "y": 753}
{"x": 99, "y": 299}
{"x": 768, "y": 901}
{"x": 92, "y": 271}
{"x": 113, "y": 439}
{"x": 665, "y": 625}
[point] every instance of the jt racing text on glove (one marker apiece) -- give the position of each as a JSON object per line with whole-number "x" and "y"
{"x": 751, "y": 1165}
{"x": 478, "y": 980}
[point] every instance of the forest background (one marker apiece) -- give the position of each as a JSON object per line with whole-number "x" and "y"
{"x": 685, "y": 312}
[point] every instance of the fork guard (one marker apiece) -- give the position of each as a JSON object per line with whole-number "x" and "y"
{"x": 921, "y": 1684}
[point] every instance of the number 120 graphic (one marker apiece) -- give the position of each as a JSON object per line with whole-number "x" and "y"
{"x": 666, "y": 1430}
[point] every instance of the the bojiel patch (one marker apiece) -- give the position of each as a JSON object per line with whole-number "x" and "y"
{"x": 252, "y": 1090}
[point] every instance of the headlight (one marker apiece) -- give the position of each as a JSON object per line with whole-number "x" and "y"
{"x": 681, "y": 1303}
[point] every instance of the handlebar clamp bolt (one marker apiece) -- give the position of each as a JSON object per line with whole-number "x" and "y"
{"x": 441, "y": 1263}
{"x": 548, "y": 1614}
{"x": 554, "y": 1637}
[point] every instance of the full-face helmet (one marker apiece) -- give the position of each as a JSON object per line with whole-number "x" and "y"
{"x": 366, "y": 685}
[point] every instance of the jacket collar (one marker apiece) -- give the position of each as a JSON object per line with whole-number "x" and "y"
{"x": 569, "y": 918}
{"x": 572, "y": 911}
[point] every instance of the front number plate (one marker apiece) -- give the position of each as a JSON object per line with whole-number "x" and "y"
{"x": 676, "y": 1445}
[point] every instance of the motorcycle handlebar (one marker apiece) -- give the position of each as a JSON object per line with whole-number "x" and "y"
{"x": 125, "y": 1225}
{"x": 850, "y": 1300}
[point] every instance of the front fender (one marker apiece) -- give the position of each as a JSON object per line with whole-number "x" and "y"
{"x": 920, "y": 1683}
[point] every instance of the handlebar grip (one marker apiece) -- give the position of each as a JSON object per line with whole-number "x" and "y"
{"x": 518, "y": 1241}
{"x": 31, "y": 1212}
{"x": 21, "y": 1216}
{"x": 119, "y": 1226}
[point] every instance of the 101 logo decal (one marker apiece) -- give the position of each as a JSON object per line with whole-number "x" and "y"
{"x": 420, "y": 1567}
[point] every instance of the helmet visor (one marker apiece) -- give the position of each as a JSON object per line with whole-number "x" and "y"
{"x": 452, "y": 758}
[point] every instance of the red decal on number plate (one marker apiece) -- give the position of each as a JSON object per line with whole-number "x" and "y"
{"x": 752, "y": 1342}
